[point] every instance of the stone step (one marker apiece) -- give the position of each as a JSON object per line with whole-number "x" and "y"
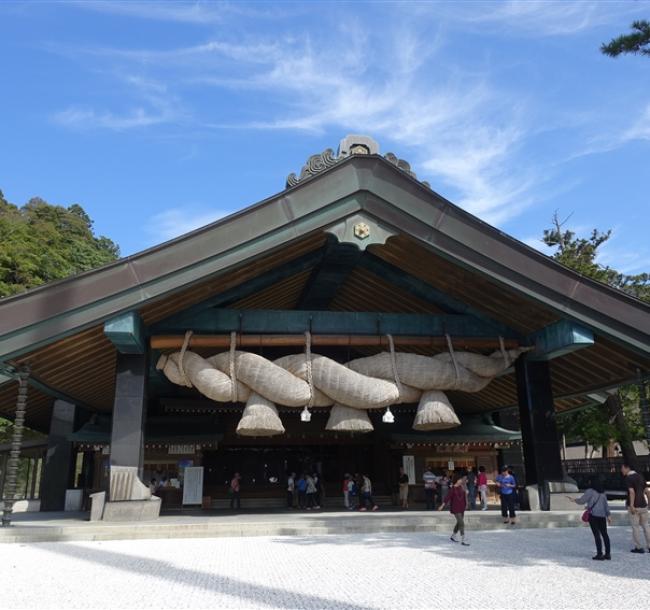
{"x": 261, "y": 503}
{"x": 283, "y": 524}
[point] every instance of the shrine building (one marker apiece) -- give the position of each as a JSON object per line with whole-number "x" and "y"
{"x": 355, "y": 322}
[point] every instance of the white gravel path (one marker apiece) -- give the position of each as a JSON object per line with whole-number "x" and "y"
{"x": 501, "y": 569}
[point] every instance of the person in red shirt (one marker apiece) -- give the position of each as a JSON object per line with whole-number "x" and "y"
{"x": 456, "y": 499}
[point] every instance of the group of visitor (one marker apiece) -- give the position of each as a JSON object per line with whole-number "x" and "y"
{"x": 475, "y": 484}
{"x": 462, "y": 495}
{"x": 304, "y": 492}
{"x": 598, "y": 513}
{"x": 357, "y": 492}
{"x": 459, "y": 491}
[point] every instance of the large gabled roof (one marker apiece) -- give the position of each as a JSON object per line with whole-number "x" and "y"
{"x": 359, "y": 184}
{"x": 431, "y": 238}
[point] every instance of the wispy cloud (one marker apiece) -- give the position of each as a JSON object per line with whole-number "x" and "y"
{"x": 639, "y": 130}
{"x": 153, "y": 105}
{"x": 539, "y": 17}
{"x": 178, "y": 221}
{"x": 616, "y": 252}
{"x": 612, "y": 134}
{"x": 461, "y": 130}
{"x": 191, "y": 12}
{"x": 458, "y": 127}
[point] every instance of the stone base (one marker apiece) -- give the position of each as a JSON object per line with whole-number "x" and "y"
{"x": 73, "y": 499}
{"x": 24, "y": 506}
{"x": 558, "y": 491}
{"x": 97, "y": 503}
{"x": 132, "y": 510}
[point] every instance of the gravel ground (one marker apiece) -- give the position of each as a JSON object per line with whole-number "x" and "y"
{"x": 549, "y": 568}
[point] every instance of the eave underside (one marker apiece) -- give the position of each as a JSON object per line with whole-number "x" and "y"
{"x": 82, "y": 365}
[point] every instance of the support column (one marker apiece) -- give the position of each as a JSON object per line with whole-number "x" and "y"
{"x": 127, "y": 433}
{"x": 9, "y": 491}
{"x": 541, "y": 445}
{"x": 59, "y": 459}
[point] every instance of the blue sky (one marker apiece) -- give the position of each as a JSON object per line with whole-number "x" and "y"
{"x": 161, "y": 117}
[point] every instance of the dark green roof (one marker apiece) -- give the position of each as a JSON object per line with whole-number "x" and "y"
{"x": 472, "y": 430}
{"x": 157, "y": 429}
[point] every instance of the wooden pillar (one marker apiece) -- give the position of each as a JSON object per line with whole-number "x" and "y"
{"x": 9, "y": 490}
{"x": 129, "y": 407}
{"x": 541, "y": 447}
{"x": 59, "y": 459}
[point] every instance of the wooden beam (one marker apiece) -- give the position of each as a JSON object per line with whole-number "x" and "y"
{"x": 224, "y": 299}
{"x": 558, "y": 339}
{"x": 266, "y": 321}
{"x": 420, "y": 289}
{"x": 330, "y": 274}
{"x": 126, "y": 333}
{"x": 10, "y": 372}
{"x": 223, "y": 341}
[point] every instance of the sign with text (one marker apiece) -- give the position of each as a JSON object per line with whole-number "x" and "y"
{"x": 408, "y": 463}
{"x": 192, "y": 485}
{"x": 181, "y": 449}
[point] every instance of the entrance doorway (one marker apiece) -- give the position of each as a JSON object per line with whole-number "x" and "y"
{"x": 264, "y": 469}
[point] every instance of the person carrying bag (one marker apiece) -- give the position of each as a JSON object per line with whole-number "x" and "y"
{"x": 598, "y": 515}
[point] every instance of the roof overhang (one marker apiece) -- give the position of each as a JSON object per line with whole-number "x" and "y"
{"x": 366, "y": 188}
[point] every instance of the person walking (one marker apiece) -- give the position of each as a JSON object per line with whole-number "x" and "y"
{"x": 595, "y": 501}
{"x": 403, "y": 488}
{"x": 353, "y": 492}
{"x": 291, "y": 488}
{"x": 235, "y": 489}
{"x": 637, "y": 501}
{"x": 301, "y": 485}
{"x": 483, "y": 487}
{"x": 319, "y": 490}
{"x": 443, "y": 482}
{"x": 471, "y": 488}
{"x": 366, "y": 495}
{"x": 429, "y": 488}
{"x": 310, "y": 492}
{"x": 346, "y": 490}
{"x": 507, "y": 484}
{"x": 456, "y": 500}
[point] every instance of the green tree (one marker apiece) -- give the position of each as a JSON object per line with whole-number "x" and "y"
{"x": 581, "y": 254}
{"x": 620, "y": 418}
{"x": 637, "y": 42}
{"x": 40, "y": 242}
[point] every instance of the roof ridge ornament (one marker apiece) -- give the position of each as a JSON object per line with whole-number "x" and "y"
{"x": 315, "y": 164}
{"x": 353, "y": 144}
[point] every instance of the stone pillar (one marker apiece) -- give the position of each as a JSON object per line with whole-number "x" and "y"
{"x": 59, "y": 459}
{"x": 541, "y": 446}
{"x": 129, "y": 410}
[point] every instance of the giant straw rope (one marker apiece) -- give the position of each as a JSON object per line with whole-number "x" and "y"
{"x": 311, "y": 380}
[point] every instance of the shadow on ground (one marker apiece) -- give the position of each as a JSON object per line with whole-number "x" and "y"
{"x": 507, "y": 548}
{"x": 273, "y": 597}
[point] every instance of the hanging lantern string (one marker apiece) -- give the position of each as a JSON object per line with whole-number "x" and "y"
{"x": 310, "y": 378}
{"x": 453, "y": 356}
{"x": 393, "y": 363}
{"x": 232, "y": 368}
{"x": 504, "y": 353}
{"x": 181, "y": 367}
